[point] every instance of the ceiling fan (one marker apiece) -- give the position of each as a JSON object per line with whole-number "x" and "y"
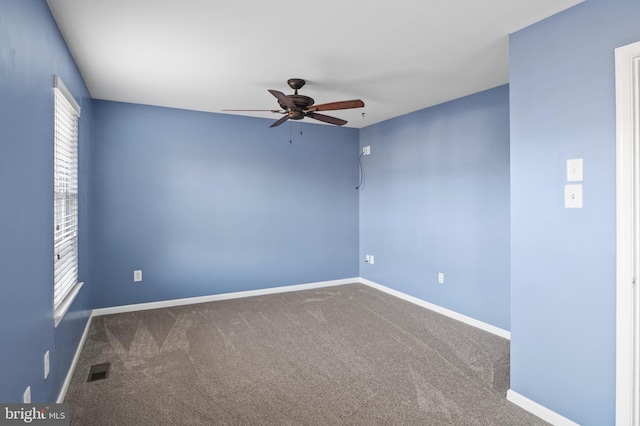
{"x": 297, "y": 107}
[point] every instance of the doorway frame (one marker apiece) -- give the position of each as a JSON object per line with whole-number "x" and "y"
{"x": 627, "y": 73}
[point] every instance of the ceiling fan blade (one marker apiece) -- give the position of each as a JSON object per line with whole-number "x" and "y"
{"x": 255, "y": 110}
{"x": 279, "y": 122}
{"x": 326, "y": 118}
{"x": 331, "y": 106}
{"x": 282, "y": 98}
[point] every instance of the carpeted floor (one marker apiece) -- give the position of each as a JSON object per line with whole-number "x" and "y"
{"x": 347, "y": 355}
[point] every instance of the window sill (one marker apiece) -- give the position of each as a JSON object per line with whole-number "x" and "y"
{"x": 66, "y": 304}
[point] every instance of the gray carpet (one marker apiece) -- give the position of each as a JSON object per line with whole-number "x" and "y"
{"x": 346, "y": 355}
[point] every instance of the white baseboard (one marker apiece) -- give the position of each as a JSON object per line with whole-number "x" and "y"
{"x": 439, "y": 309}
{"x": 72, "y": 367}
{"x": 539, "y": 410}
{"x": 523, "y": 402}
{"x": 274, "y": 290}
{"x": 299, "y": 287}
{"x": 217, "y": 297}
{"x": 185, "y": 301}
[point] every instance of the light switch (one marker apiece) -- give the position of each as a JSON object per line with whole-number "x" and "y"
{"x": 573, "y": 196}
{"x": 574, "y": 170}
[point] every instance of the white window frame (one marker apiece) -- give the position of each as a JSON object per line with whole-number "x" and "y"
{"x": 65, "y": 245}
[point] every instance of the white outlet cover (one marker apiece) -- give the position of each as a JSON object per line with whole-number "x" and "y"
{"x": 573, "y": 196}
{"x": 26, "y": 396}
{"x": 371, "y": 259}
{"x": 137, "y": 276}
{"x": 440, "y": 278}
{"x": 575, "y": 170}
{"x": 46, "y": 364}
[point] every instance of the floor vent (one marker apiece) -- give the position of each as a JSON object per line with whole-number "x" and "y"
{"x": 99, "y": 372}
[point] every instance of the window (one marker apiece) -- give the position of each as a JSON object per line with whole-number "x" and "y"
{"x": 65, "y": 270}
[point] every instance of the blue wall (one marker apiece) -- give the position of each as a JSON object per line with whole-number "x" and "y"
{"x": 563, "y": 309}
{"x": 209, "y": 203}
{"x": 436, "y": 199}
{"x": 205, "y": 203}
{"x": 31, "y": 52}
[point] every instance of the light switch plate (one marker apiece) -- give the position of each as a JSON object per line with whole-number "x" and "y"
{"x": 137, "y": 276}
{"x": 371, "y": 259}
{"x": 575, "y": 170}
{"x": 573, "y": 196}
{"x": 440, "y": 278}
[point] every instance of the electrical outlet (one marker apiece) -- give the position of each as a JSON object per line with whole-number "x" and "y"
{"x": 440, "y": 278}
{"x": 26, "y": 396}
{"x": 366, "y": 150}
{"x": 371, "y": 259}
{"x": 366, "y": 258}
{"x": 46, "y": 365}
{"x": 137, "y": 276}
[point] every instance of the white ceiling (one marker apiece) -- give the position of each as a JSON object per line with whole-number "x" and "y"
{"x": 210, "y": 55}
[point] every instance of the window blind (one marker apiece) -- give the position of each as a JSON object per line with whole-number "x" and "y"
{"x": 67, "y": 112}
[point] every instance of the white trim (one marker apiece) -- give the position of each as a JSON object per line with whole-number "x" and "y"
{"x": 625, "y": 158}
{"x": 58, "y": 84}
{"x": 439, "y": 309}
{"x": 217, "y": 297}
{"x": 299, "y": 287}
{"x": 273, "y": 290}
{"x": 64, "y": 306}
{"x": 72, "y": 367}
{"x": 539, "y": 410}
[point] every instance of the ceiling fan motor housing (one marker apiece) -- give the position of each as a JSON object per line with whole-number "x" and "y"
{"x": 302, "y": 103}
